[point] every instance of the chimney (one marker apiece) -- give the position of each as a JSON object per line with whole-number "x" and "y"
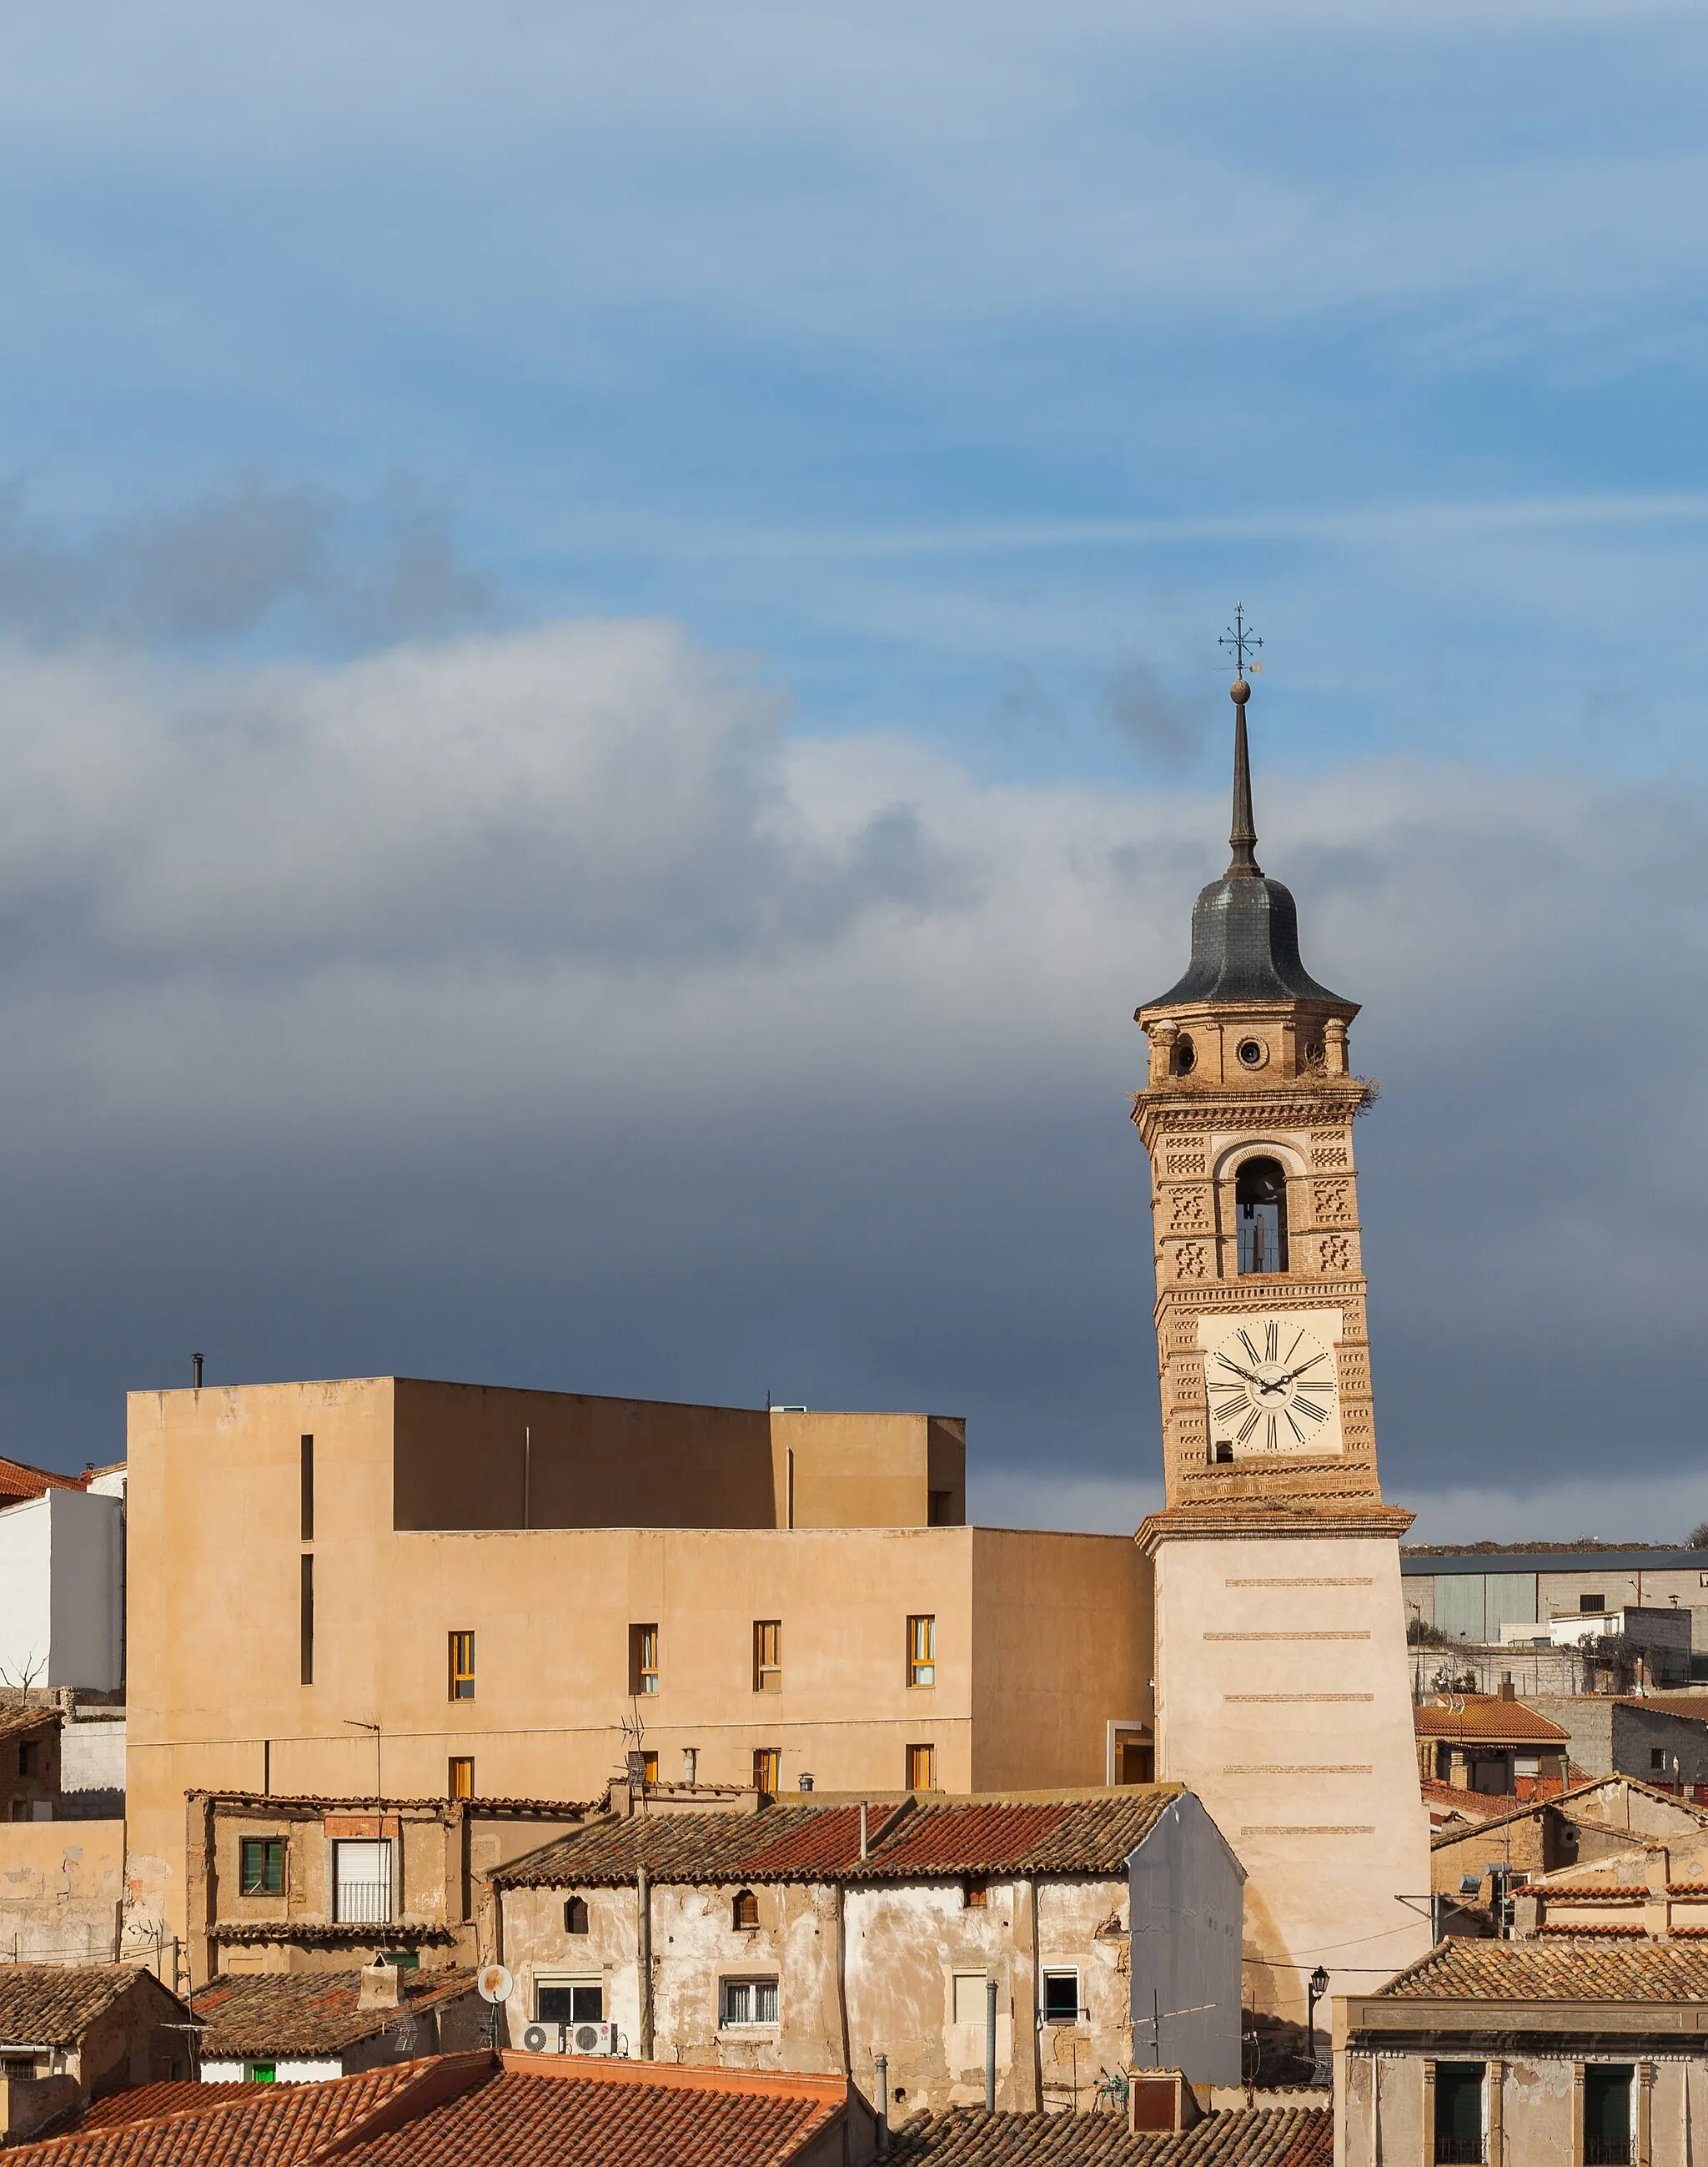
{"x": 196, "y": 1372}
{"x": 865, "y": 1847}
{"x": 690, "y": 1764}
{"x": 381, "y": 1987}
{"x": 1161, "y": 2099}
{"x": 1508, "y": 1690}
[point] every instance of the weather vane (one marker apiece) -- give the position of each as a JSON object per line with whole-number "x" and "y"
{"x": 1240, "y": 640}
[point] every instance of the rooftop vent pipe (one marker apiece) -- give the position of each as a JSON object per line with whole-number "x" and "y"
{"x": 196, "y": 1371}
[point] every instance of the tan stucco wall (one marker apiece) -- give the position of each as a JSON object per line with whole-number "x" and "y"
{"x": 216, "y": 1698}
{"x": 1283, "y": 1703}
{"x": 61, "y": 1891}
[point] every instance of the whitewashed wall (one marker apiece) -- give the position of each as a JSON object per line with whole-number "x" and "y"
{"x": 61, "y": 1591}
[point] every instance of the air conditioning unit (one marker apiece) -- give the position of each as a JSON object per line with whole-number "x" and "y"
{"x": 589, "y": 2038}
{"x": 543, "y": 2039}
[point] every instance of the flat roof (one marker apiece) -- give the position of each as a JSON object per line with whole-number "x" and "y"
{"x": 1566, "y": 1558}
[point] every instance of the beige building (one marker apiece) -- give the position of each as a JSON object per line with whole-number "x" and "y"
{"x": 1283, "y": 1690}
{"x": 383, "y": 1588}
{"x": 1577, "y": 2055}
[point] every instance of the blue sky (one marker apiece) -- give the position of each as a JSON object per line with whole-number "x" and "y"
{"x": 925, "y": 386}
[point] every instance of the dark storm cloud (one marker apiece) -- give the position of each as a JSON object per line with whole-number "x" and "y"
{"x": 224, "y": 565}
{"x": 537, "y": 1008}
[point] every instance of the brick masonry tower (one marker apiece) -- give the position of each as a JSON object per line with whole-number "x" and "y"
{"x": 1282, "y": 1695}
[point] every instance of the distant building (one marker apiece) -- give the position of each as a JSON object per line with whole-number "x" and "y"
{"x": 304, "y": 2028}
{"x": 30, "y": 1763}
{"x": 1490, "y": 1743}
{"x": 70, "y": 2033}
{"x": 61, "y": 1581}
{"x": 1470, "y": 1594}
{"x": 1662, "y": 1740}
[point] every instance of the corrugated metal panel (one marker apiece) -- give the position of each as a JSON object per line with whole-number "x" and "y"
{"x": 1460, "y": 1605}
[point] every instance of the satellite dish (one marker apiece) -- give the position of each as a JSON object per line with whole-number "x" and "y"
{"x": 495, "y": 1983}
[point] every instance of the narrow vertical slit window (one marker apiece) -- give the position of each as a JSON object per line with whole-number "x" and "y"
{"x": 461, "y": 1782}
{"x": 922, "y": 1767}
{"x": 921, "y": 1651}
{"x": 643, "y": 1659}
{"x": 461, "y": 1666}
{"x": 767, "y": 1654}
{"x": 307, "y": 1620}
{"x": 308, "y": 1489}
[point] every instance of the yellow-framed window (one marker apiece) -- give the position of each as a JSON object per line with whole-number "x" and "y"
{"x": 768, "y": 1769}
{"x": 460, "y": 1783}
{"x": 767, "y": 1654}
{"x": 461, "y": 1666}
{"x": 921, "y": 1651}
{"x": 643, "y": 1659}
{"x": 922, "y": 1767}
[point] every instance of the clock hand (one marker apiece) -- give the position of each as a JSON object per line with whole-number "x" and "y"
{"x": 1246, "y": 1373}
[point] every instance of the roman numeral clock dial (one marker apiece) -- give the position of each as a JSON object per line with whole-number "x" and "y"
{"x": 1271, "y": 1384}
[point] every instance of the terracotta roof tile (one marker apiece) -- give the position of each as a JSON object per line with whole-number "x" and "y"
{"x": 1524, "y": 1971}
{"x": 54, "y": 2005}
{"x": 967, "y": 2137}
{"x": 1487, "y": 1719}
{"x": 270, "y": 2126}
{"x": 540, "y": 2112}
{"x": 13, "y": 1720}
{"x": 148, "y": 2102}
{"x": 921, "y": 1838}
{"x": 308, "y": 2012}
{"x": 19, "y": 1482}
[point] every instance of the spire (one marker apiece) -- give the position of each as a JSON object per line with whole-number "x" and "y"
{"x": 1243, "y": 842}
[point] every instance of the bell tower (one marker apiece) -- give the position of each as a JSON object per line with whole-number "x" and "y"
{"x": 1283, "y": 1693}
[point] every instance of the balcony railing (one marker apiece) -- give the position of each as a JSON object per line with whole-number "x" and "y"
{"x": 1606, "y": 2151}
{"x": 1458, "y": 2151}
{"x": 363, "y": 1903}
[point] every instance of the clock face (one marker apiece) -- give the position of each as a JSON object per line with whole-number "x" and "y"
{"x": 1271, "y": 1384}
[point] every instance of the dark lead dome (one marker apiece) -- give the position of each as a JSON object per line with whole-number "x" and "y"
{"x": 1245, "y": 947}
{"x": 1245, "y": 926}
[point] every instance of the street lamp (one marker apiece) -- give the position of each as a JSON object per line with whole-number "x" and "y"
{"x": 1315, "y": 1988}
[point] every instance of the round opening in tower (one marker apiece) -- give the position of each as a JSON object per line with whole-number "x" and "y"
{"x": 1185, "y": 1057}
{"x": 1253, "y": 1052}
{"x": 1259, "y": 1215}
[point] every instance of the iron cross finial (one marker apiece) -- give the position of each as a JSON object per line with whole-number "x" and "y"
{"x": 1240, "y": 640}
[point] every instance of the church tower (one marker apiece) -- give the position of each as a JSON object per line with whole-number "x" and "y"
{"x": 1283, "y": 1694}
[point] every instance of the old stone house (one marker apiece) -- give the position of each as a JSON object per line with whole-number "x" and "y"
{"x": 1579, "y": 2054}
{"x": 1490, "y": 1743}
{"x": 1661, "y": 1741}
{"x": 303, "y": 2027}
{"x": 1588, "y": 1824}
{"x": 294, "y": 1884}
{"x": 69, "y": 2032}
{"x": 30, "y": 1763}
{"x": 822, "y": 1935}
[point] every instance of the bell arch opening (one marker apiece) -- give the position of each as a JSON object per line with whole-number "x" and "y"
{"x": 1259, "y": 1215}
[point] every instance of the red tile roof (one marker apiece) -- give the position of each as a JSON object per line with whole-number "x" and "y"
{"x": 13, "y": 1720}
{"x": 967, "y": 2137}
{"x": 922, "y": 1837}
{"x": 19, "y": 1482}
{"x": 1487, "y": 1719}
{"x": 468, "y": 2111}
{"x": 311, "y": 2012}
{"x": 148, "y": 2102}
{"x": 1523, "y": 1971}
{"x": 43, "y": 2005}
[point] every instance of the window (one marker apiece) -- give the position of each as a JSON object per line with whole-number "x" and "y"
{"x": 969, "y": 1997}
{"x": 745, "y": 1912}
{"x": 649, "y": 1768}
{"x": 922, "y": 1767}
{"x": 975, "y": 1895}
{"x": 308, "y": 1489}
{"x": 921, "y": 1651}
{"x": 26, "y": 1758}
{"x": 768, "y": 1769}
{"x": 643, "y": 1659}
{"x": 460, "y": 1783}
{"x": 568, "y": 2000}
{"x": 261, "y": 1866}
{"x": 1656, "y": 1757}
{"x": 1061, "y": 1997}
{"x": 308, "y": 1621}
{"x": 1134, "y": 1757}
{"x": 461, "y": 1666}
{"x": 361, "y": 1882}
{"x": 1458, "y": 2112}
{"x": 767, "y": 1654}
{"x": 1259, "y": 1215}
{"x": 262, "y": 2072}
{"x": 746, "y": 2001}
{"x": 938, "y": 1505}
{"x": 1184, "y": 1058}
{"x": 1589, "y": 1604}
{"x": 1607, "y": 2114}
{"x": 16, "y": 2069}
{"x": 575, "y": 1914}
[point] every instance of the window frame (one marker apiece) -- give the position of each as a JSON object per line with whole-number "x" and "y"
{"x": 571, "y": 1983}
{"x": 962, "y": 1976}
{"x": 308, "y": 1477}
{"x": 461, "y": 1645}
{"x": 768, "y": 1777}
{"x": 921, "y": 1650}
{"x": 744, "y": 1911}
{"x": 768, "y": 1644}
{"x": 459, "y": 1776}
{"x": 643, "y": 1661}
{"x": 753, "y": 1985}
{"x": 271, "y": 1852}
{"x": 1622, "y": 2074}
{"x": 574, "y": 1908}
{"x": 388, "y": 1861}
{"x": 925, "y": 1751}
{"x": 1047, "y": 1973}
{"x": 1437, "y": 2136}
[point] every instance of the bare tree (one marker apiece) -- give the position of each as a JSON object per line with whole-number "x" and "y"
{"x": 28, "y": 1671}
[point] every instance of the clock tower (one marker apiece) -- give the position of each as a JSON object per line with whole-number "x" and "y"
{"x": 1283, "y": 1694}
